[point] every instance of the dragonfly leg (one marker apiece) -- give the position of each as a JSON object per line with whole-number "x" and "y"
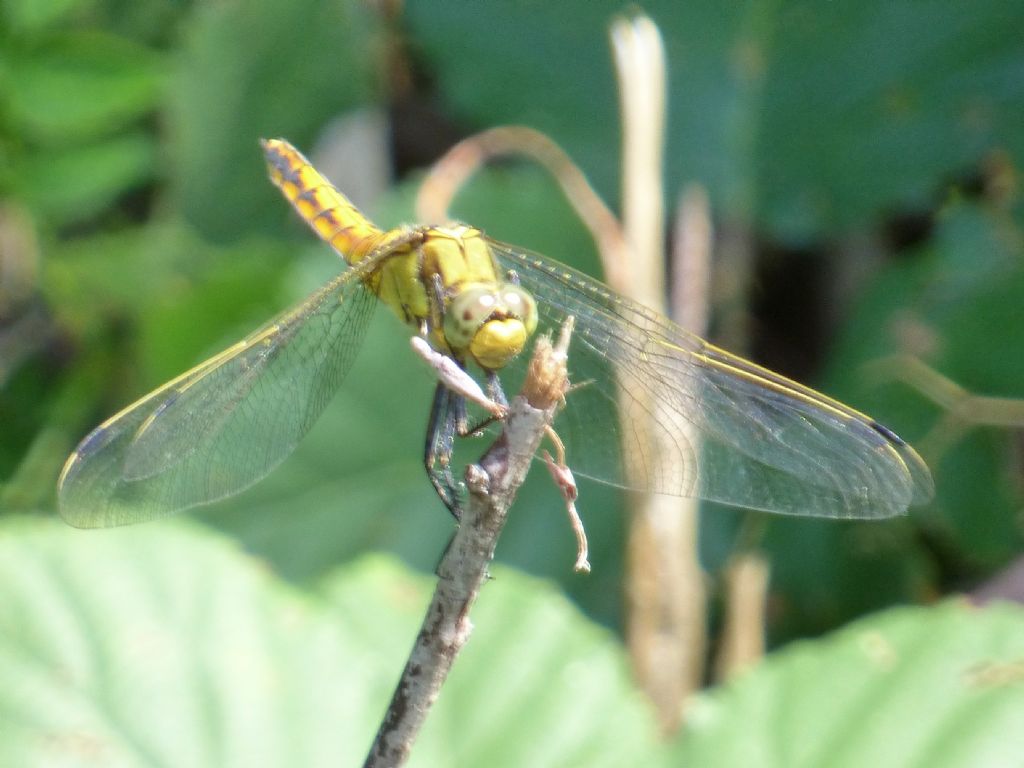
{"x": 494, "y": 389}
{"x": 436, "y": 319}
{"x": 453, "y": 375}
{"x": 447, "y": 418}
{"x": 497, "y": 394}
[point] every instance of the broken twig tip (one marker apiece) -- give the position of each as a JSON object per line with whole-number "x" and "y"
{"x": 547, "y": 378}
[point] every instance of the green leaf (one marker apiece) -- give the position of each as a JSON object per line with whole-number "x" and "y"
{"x": 81, "y": 85}
{"x": 875, "y": 105}
{"x": 73, "y": 184}
{"x": 939, "y": 687}
{"x": 159, "y": 646}
{"x": 257, "y": 70}
{"x": 179, "y": 289}
{"x": 547, "y": 66}
{"x": 34, "y": 15}
{"x": 806, "y": 116}
{"x": 162, "y": 645}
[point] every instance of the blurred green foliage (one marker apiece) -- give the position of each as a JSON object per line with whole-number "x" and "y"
{"x": 138, "y": 234}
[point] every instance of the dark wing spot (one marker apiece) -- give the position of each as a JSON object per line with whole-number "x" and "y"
{"x": 888, "y": 434}
{"x": 95, "y": 441}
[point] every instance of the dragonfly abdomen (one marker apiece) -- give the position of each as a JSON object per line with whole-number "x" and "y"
{"x": 318, "y": 202}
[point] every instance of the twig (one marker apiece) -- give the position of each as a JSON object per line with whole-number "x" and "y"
{"x": 962, "y": 409}
{"x": 493, "y": 484}
{"x": 742, "y": 644}
{"x": 640, "y": 66}
{"x": 665, "y": 585}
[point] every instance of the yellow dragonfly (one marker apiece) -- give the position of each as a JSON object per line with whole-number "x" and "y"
{"x": 765, "y": 442}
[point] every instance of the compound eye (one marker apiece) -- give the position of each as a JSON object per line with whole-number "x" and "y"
{"x": 466, "y": 313}
{"x": 518, "y": 303}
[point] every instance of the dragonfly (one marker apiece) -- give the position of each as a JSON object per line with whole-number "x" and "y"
{"x": 652, "y": 407}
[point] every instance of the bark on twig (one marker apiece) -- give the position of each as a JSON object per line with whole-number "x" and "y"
{"x": 493, "y": 484}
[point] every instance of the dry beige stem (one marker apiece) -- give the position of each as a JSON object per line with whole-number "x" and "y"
{"x": 746, "y": 584}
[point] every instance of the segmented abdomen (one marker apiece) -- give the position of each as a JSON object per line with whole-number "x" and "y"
{"x": 323, "y": 207}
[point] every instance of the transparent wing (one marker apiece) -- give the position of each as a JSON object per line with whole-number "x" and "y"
{"x": 225, "y": 424}
{"x": 659, "y": 409}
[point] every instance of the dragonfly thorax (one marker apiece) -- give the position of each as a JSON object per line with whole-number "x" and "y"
{"x": 490, "y": 323}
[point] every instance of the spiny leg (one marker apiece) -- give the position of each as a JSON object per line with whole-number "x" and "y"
{"x": 497, "y": 394}
{"x": 494, "y": 389}
{"x": 447, "y": 419}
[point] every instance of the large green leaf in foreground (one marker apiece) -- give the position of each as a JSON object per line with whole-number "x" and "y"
{"x": 938, "y": 687}
{"x": 163, "y": 645}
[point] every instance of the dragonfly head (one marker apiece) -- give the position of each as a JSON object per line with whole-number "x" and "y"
{"x": 491, "y": 323}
